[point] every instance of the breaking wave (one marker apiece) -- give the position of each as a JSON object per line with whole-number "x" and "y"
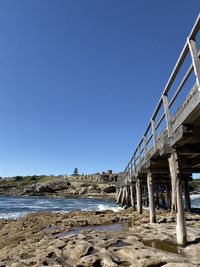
{"x": 15, "y": 207}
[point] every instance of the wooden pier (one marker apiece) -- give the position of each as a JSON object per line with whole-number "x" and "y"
{"x": 169, "y": 151}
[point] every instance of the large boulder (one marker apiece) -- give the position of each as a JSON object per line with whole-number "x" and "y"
{"x": 48, "y": 187}
{"x": 44, "y": 188}
{"x": 59, "y": 185}
{"x": 29, "y": 189}
{"x": 110, "y": 189}
{"x": 93, "y": 189}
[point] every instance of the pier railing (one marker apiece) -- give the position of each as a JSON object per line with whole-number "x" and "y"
{"x": 163, "y": 123}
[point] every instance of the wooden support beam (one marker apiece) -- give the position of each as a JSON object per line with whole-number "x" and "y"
{"x": 126, "y": 196}
{"x": 180, "y": 216}
{"x": 116, "y": 194}
{"x": 187, "y": 196}
{"x": 195, "y": 59}
{"x": 168, "y": 196}
{"x": 128, "y": 202}
{"x": 173, "y": 167}
{"x": 123, "y": 196}
{"x": 145, "y": 202}
{"x": 189, "y": 149}
{"x": 119, "y": 195}
{"x": 152, "y": 212}
{"x": 132, "y": 196}
{"x": 139, "y": 196}
{"x": 157, "y": 198}
{"x": 177, "y": 199}
{"x": 165, "y": 149}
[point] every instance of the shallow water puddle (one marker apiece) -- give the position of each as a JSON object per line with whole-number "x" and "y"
{"x": 50, "y": 229}
{"x": 76, "y": 230}
{"x": 119, "y": 244}
{"x": 162, "y": 245}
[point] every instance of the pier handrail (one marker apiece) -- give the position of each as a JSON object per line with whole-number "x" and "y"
{"x": 141, "y": 152}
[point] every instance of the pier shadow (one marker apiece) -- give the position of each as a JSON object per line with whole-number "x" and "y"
{"x": 162, "y": 245}
{"x": 195, "y": 210}
{"x": 196, "y": 241}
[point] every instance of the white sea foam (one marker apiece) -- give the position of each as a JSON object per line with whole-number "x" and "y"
{"x": 108, "y": 207}
{"x": 14, "y": 215}
{"x": 60, "y": 211}
{"x": 195, "y": 196}
{"x": 195, "y": 200}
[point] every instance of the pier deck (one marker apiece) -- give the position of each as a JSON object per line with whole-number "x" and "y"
{"x": 169, "y": 151}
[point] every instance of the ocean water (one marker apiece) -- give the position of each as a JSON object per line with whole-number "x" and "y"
{"x": 15, "y": 207}
{"x": 195, "y": 201}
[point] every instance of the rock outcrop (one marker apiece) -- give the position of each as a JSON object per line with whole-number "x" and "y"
{"x": 96, "y": 185}
{"x": 54, "y": 239}
{"x": 93, "y": 185}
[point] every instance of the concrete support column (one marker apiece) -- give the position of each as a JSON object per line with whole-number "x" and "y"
{"x": 152, "y": 211}
{"x": 177, "y": 199}
{"x": 139, "y": 196}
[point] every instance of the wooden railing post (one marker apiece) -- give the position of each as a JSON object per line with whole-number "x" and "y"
{"x": 135, "y": 167}
{"x": 139, "y": 151}
{"x": 195, "y": 60}
{"x": 145, "y": 146}
{"x": 130, "y": 173}
{"x": 153, "y": 127}
{"x": 127, "y": 174}
{"x": 167, "y": 116}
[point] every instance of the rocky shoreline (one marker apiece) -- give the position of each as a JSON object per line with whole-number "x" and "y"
{"x": 95, "y": 185}
{"x": 103, "y": 238}
{"x": 84, "y": 239}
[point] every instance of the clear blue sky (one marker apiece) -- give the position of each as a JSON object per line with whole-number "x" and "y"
{"x": 79, "y": 79}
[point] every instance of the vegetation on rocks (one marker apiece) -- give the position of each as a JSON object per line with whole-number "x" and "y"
{"x": 73, "y": 185}
{"x": 195, "y": 185}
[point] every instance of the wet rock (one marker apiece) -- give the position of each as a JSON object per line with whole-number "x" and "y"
{"x": 28, "y": 242}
